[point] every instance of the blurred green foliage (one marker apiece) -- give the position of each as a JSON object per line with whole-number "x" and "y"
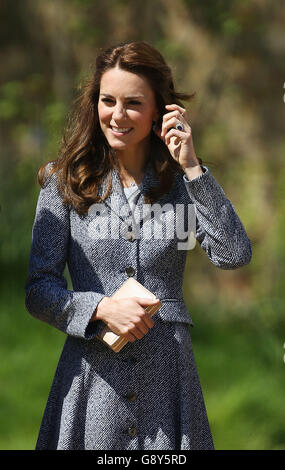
{"x": 232, "y": 55}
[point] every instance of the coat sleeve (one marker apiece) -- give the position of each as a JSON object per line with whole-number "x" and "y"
{"x": 219, "y": 230}
{"x": 47, "y": 296}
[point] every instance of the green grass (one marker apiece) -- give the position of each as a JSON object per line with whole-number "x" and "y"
{"x": 29, "y": 353}
{"x": 240, "y": 363}
{"x": 242, "y": 371}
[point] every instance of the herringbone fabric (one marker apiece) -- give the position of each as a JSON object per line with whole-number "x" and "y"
{"x": 147, "y": 396}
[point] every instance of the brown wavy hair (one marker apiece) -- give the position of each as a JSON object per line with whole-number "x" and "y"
{"x": 85, "y": 156}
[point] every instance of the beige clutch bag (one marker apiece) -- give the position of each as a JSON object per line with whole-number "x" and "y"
{"x": 130, "y": 288}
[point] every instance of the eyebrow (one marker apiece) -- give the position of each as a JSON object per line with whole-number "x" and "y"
{"x": 127, "y": 97}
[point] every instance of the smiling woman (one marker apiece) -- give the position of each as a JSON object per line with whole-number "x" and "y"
{"x": 148, "y": 395}
{"x": 86, "y": 157}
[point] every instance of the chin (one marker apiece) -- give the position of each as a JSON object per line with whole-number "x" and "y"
{"x": 117, "y": 145}
{"x": 125, "y": 143}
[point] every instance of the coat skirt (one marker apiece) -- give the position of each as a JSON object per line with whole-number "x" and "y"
{"x": 146, "y": 397}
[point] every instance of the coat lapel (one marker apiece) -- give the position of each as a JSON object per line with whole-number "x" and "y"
{"x": 118, "y": 202}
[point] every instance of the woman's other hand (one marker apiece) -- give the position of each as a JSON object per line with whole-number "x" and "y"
{"x": 126, "y": 317}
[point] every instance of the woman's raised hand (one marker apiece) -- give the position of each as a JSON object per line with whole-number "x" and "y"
{"x": 179, "y": 142}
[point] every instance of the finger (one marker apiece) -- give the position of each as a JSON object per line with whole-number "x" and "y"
{"x": 129, "y": 332}
{"x": 176, "y": 106}
{"x": 126, "y": 333}
{"x": 139, "y": 323}
{"x": 136, "y": 331}
{"x": 148, "y": 320}
{"x": 174, "y": 133}
{"x": 176, "y": 141}
{"x": 143, "y": 324}
{"x": 173, "y": 114}
{"x": 142, "y": 327}
{"x": 130, "y": 337}
{"x": 171, "y": 123}
{"x": 145, "y": 301}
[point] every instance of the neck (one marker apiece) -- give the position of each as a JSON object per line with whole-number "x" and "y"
{"x": 132, "y": 164}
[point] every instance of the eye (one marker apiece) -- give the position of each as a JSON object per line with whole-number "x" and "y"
{"x": 132, "y": 102}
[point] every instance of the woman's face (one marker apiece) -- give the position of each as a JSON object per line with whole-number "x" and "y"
{"x": 126, "y": 109}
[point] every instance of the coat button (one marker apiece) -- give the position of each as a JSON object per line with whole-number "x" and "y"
{"x": 132, "y": 396}
{"x": 132, "y": 431}
{"x": 130, "y": 236}
{"x": 130, "y": 271}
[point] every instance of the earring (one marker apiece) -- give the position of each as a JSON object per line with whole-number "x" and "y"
{"x": 154, "y": 124}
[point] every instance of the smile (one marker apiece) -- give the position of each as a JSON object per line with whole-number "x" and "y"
{"x": 121, "y": 130}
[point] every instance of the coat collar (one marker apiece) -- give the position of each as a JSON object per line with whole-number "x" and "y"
{"x": 149, "y": 180}
{"x": 134, "y": 218}
{"x": 118, "y": 198}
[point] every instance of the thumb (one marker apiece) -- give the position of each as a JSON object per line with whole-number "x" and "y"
{"x": 146, "y": 301}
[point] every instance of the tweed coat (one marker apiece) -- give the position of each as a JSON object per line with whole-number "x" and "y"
{"x": 147, "y": 396}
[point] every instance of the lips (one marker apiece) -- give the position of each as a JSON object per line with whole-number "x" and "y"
{"x": 120, "y": 130}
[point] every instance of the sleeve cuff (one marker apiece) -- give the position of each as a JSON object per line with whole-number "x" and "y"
{"x": 205, "y": 190}
{"x": 82, "y": 308}
{"x": 205, "y": 169}
{"x": 93, "y": 328}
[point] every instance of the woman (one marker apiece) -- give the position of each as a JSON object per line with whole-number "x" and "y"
{"x": 129, "y": 145}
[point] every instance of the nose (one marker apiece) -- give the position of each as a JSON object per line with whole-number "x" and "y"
{"x": 119, "y": 111}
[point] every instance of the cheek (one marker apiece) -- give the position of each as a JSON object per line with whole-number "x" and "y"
{"x": 103, "y": 114}
{"x": 143, "y": 119}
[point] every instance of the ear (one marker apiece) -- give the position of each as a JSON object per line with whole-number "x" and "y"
{"x": 156, "y": 129}
{"x": 156, "y": 116}
{"x": 155, "y": 113}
